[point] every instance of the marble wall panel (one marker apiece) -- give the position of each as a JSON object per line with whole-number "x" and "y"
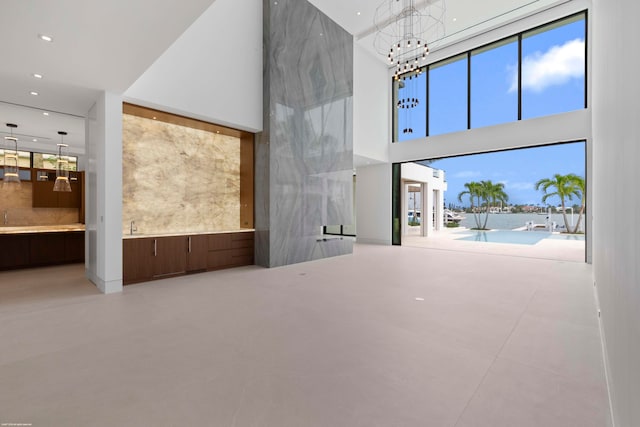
{"x": 305, "y": 152}
{"x": 16, "y": 201}
{"x": 178, "y": 179}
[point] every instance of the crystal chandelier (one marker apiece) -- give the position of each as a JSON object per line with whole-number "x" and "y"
{"x": 11, "y": 170}
{"x": 407, "y": 30}
{"x": 62, "y": 168}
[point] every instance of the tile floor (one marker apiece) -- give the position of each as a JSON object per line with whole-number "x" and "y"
{"x": 497, "y": 341}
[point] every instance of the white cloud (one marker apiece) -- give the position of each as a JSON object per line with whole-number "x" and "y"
{"x": 519, "y": 186}
{"x": 554, "y": 67}
{"x": 466, "y": 174}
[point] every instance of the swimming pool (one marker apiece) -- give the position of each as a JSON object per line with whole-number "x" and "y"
{"x": 506, "y": 236}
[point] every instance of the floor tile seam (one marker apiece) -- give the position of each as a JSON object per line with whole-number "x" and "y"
{"x": 495, "y": 359}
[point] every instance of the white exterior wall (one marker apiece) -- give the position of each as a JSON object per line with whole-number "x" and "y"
{"x": 616, "y": 154}
{"x": 103, "y": 194}
{"x": 412, "y": 172}
{"x": 213, "y": 71}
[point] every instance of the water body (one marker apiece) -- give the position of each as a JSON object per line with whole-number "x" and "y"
{"x": 506, "y": 221}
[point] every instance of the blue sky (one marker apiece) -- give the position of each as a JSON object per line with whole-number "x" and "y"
{"x": 553, "y": 81}
{"x": 518, "y": 170}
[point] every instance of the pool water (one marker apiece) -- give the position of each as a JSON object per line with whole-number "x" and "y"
{"x": 506, "y": 236}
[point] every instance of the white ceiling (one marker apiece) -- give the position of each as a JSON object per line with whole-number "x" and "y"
{"x": 97, "y": 45}
{"x": 107, "y": 45}
{"x": 463, "y": 18}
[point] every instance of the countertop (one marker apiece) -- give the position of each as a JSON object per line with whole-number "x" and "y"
{"x": 190, "y": 233}
{"x": 30, "y": 229}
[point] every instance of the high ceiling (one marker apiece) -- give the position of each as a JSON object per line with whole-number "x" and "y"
{"x": 107, "y": 45}
{"x": 97, "y": 45}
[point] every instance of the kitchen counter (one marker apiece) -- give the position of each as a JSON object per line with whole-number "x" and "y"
{"x": 30, "y": 229}
{"x": 193, "y": 233}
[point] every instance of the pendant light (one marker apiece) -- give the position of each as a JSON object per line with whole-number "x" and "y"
{"x": 11, "y": 171}
{"x": 62, "y": 168}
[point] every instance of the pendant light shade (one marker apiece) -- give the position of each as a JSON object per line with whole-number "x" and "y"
{"x": 11, "y": 171}
{"x": 62, "y": 168}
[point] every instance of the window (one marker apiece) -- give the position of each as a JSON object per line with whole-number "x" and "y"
{"x": 24, "y": 158}
{"x": 50, "y": 161}
{"x": 494, "y": 96}
{"x": 448, "y": 96}
{"x": 410, "y": 106}
{"x": 534, "y": 73}
{"x": 553, "y": 68}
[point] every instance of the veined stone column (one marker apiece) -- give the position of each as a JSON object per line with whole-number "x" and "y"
{"x": 304, "y": 156}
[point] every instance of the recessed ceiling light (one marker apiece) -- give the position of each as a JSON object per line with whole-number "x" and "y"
{"x": 455, "y": 19}
{"x": 45, "y": 37}
{"x": 45, "y": 113}
{"x": 37, "y": 76}
{"x": 419, "y": 299}
{"x": 35, "y": 140}
{"x": 34, "y": 93}
{"x": 154, "y": 117}
{"x": 275, "y": 2}
{"x": 358, "y": 14}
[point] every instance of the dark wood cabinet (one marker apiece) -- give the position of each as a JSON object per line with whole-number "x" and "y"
{"x": 138, "y": 259}
{"x": 230, "y": 250}
{"x": 47, "y": 248}
{"x": 39, "y": 249}
{"x": 45, "y": 197}
{"x": 74, "y": 246}
{"x": 14, "y": 251}
{"x": 149, "y": 258}
{"x": 170, "y": 256}
{"x": 197, "y": 251}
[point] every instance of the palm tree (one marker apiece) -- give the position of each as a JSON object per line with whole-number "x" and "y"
{"x": 474, "y": 191}
{"x": 565, "y": 187}
{"x": 492, "y": 193}
{"x": 579, "y": 181}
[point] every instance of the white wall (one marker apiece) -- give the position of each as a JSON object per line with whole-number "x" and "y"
{"x": 103, "y": 194}
{"x": 572, "y": 126}
{"x": 213, "y": 71}
{"x": 373, "y": 201}
{"x": 616, "y": 135}
{"x": 371, "y": 102}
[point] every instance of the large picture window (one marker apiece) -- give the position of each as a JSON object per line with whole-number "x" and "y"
{"x": 494, "y": 97}
{"x": 535, "y": 73}
{"x": 448, "y": 96}
{"x": 553, "y": 68}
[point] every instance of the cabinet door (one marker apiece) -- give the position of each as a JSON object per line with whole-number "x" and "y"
{"x": 137, "y": 260}
{"x": 170, "y": 256}
{"x": 47, "y": 248}
{"x": 74, "y": 246}
{"x": 197, "y": 250}
{"x": 14, "y": 251}
{"x": 43, "y": 195}
{"x": 72, "y": 199}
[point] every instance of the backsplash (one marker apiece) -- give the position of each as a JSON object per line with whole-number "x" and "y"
{"x": 16, "y": 202}
{"x": 178, "y": 179}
